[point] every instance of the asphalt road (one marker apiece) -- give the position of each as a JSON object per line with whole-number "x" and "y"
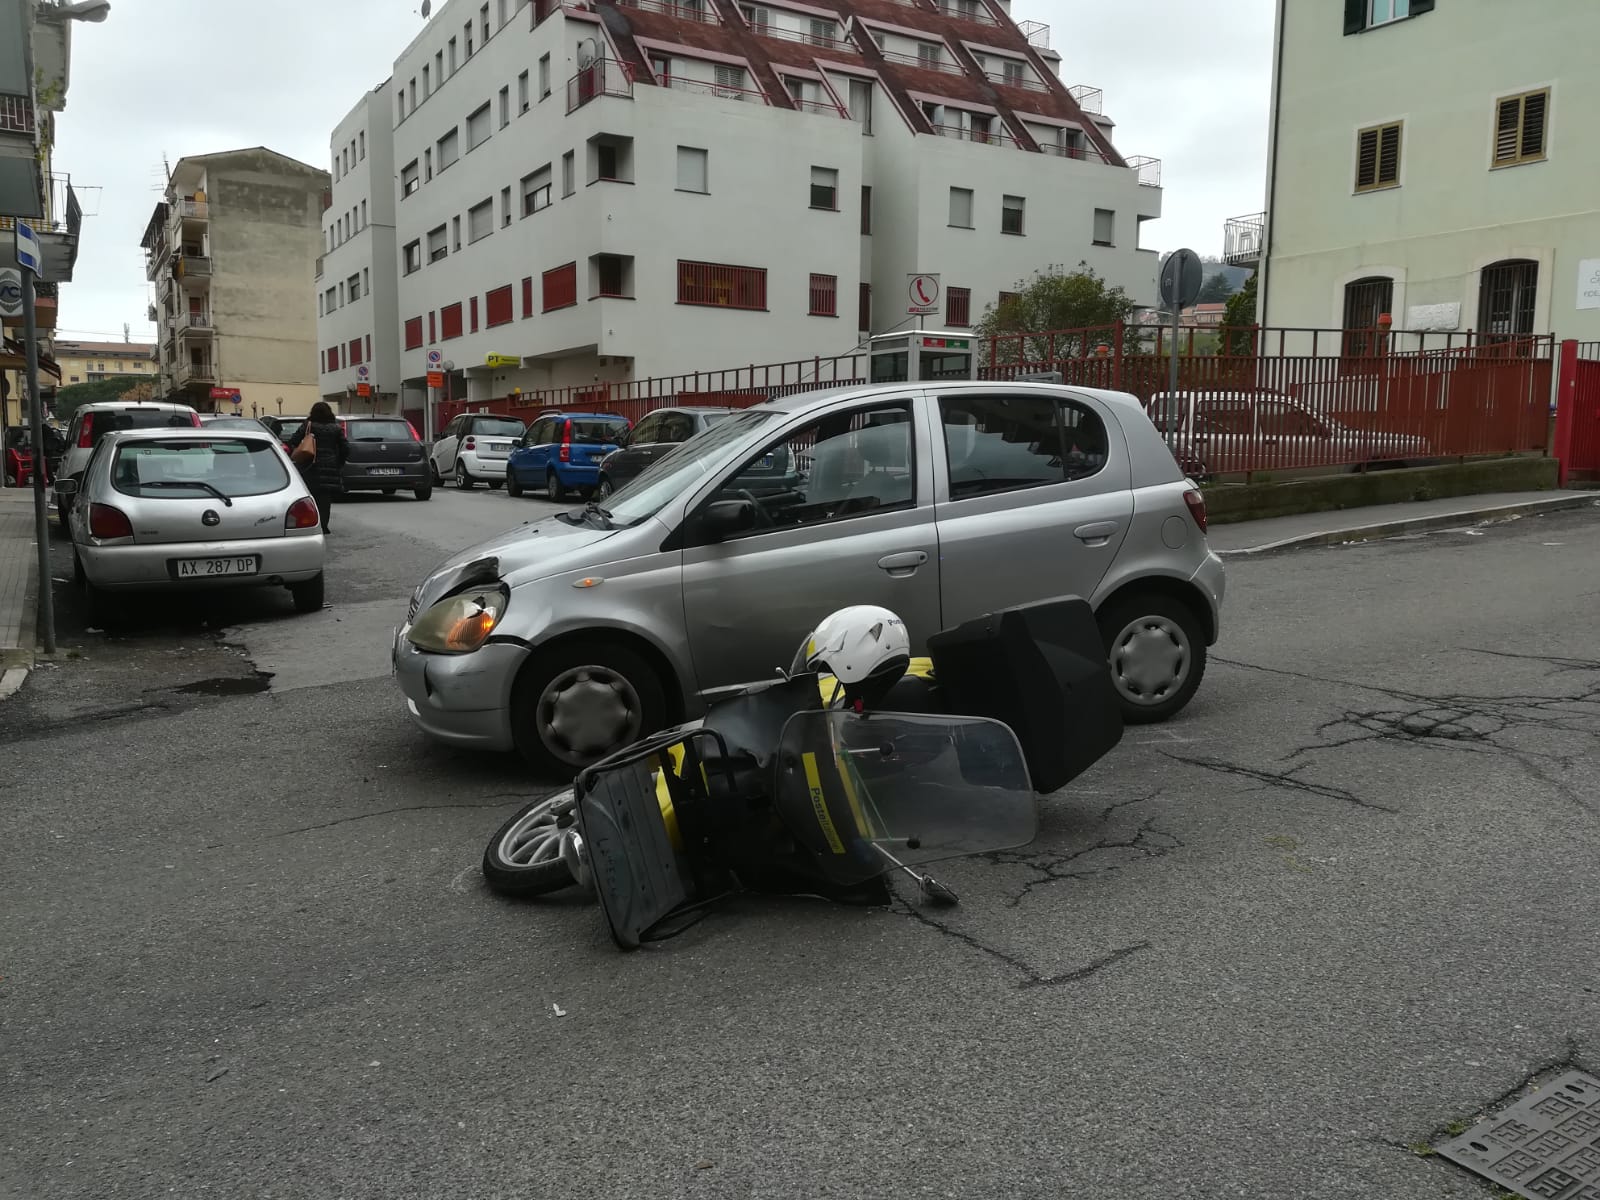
{"x": 1347, "y": 898}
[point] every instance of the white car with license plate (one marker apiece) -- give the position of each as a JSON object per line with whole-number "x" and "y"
{"x": 186, "y": 509}
{"x": 473, "y": 448}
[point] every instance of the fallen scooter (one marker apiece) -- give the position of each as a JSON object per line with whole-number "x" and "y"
{"x": 829, "y": 779}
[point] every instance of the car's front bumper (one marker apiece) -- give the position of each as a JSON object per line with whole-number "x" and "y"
{"x": 364, "y": 477}
{"x": 459, "y": 699}
{"x": 281, "y": 560}
{"x": 1212, "y": 580}
{"x": 482, "y": 468}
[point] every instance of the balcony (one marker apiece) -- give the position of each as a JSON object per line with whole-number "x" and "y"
{"x": 603, "y": 77}
{"x": 1090, "y": 99}
{"x": 1036, "y": 33}
{"x": 195, "y": 323}
{"x": 969, "y": 11}
{"x": 926, "y": 63}
{"x": 1148, "y": 170}
{"x": 821, "y": 41}
{"x": 155, "y": 258}
{"x": 708, "y": 88}
{"x": 1016, "y": 80}
{"x": 983, "y": 136}
{"x": 191, "y": 210}
{"x": 686, "y": 10}
{"x": 195, "y": 371}
{"x": 189, "y": 267}
{"x": 1243, "y": 239}
{"x": 823, "y": 108}
{"x": 1080, "y": 153}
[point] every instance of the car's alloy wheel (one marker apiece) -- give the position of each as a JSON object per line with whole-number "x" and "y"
{"x": 463, "y": 480}
{"x": 605, "y": 488}
{"x": 554, "y": 489}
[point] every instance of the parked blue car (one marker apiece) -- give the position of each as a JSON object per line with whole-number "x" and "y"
{"x": 561, "y": 452}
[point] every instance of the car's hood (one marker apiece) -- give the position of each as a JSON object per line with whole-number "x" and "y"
{"x": 532, "y": 551}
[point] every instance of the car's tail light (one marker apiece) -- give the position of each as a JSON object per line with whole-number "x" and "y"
{"x": 1197, "y": 507}
{"x": 413, "y": 429}
{"x": 470, "y": 444}
{"x": 302, "y": 514}
{"x": 107, "y": 522}
{"x": 194, "y": 419}
{"x": 566, "y": 441}
{"x": 85, "y": 438}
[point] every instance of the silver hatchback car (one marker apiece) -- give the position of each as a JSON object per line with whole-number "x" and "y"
{"x": 187, "y": 509}
{"x": 573, "y": 635}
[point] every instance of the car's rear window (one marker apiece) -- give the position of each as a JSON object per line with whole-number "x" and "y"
{"x": 234, "y": 423}
{"x": 712, "y": 418}
{"x": 497, "y": 427}
{"x": 175, "y": 470}
{"x": 290, "y": 426}
{"x": 592, "y": 432}
{"x": 136, "y": 418}
{"x": 377, "y": 431}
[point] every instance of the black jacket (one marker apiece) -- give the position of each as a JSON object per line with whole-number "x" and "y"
{"x": 332, "y": 450}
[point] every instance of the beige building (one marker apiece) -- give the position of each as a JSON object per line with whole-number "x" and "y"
{"x": 1441, "y": 165}
{"x": 87, "y": 362}
{"x": 231, "y": 252}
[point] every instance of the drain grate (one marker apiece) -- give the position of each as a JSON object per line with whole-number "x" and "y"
{"x": 1546, "y": 1146}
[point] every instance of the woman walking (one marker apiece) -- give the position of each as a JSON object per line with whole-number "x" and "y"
{"x": 322, "y": 464}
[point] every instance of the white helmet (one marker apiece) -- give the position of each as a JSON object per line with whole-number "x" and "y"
{"x": 864, "y": 647}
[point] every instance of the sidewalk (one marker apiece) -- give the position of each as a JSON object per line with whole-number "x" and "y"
{"x": 1385, "y": 520}
{"x": 18, "y": 566}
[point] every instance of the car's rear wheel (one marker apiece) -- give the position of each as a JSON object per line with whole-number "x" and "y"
{"x": 464, "y": 481}
{"x": 579, "y": 701}
{"x": 523, "y": 858}
{"x": 308, "y": 594}
{"x": 605, "y": 488}
{"x": 513, "y": 484}
{"x": 1157, "y": 652}
{"x": 424, "y": 493}
{"x": 554, "y": 488}
{"x": 433, "y": 474}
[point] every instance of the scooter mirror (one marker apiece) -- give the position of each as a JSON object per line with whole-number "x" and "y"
{"x": 576, "y": 855}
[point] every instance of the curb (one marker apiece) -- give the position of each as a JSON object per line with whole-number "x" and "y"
{"x": 1367, "y": 533}
{"x": 11, "y": 682}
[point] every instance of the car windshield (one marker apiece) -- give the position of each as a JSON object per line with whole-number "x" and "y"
{"x": 378, "y": 431}
{"x": 233, "y": 423}
{"x": 184, "y": 469}
{"x": 497, "y": 427}
{"x": 596, "y": 431}
{"x": 667, "y": 478}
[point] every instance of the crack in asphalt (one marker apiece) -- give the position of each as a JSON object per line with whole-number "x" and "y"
{"x": 1056, "y": 867}
{"x": 1032, "y": 978}
{"x": 1283, "y": 779}
{"x": 496, "y": 802}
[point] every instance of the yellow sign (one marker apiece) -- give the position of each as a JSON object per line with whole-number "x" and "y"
{"x": 501, "y": 360}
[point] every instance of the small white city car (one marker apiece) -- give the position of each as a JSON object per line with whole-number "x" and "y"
{"x": 185, "y": 509}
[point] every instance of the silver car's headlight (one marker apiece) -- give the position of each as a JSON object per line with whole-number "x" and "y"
{"x": 461, "y": 623}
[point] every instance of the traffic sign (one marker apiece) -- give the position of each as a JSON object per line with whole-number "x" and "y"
{"x": 923, "y": 293}
{"x": 436, "y": 379}
{"x": 10, "y": 292}
{"x": 363, "y": 371}
{"x": 362, "y": 389}
{"x": 223, "y": 393}
{"x": 435, "y": 358}
{"x": 1181, "y": 277}
{"x": 29, "y": 253}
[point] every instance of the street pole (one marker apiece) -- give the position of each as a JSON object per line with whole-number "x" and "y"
{"x": 41, "y": 521}
{"x": 1172, "y": 367}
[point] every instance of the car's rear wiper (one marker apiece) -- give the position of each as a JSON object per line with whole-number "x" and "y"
{"x": 178, "y": 483}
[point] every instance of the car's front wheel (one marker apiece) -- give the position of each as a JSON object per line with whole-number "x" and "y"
{"x": 579, "y": 701}
{"x": 1157, "y": 652}
{"x": 605, "y": 488}
{"x": 513, "y": 484}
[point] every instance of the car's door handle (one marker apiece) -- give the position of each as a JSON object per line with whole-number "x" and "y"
{"x": 1097, "y": 533}
{"x": 905, "y": 563}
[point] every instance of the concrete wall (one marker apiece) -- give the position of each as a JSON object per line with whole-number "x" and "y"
{"x": 1440, "y": 73}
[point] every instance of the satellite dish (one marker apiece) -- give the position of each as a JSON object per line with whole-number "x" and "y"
{"x": 427, "y": 7}
{"x": 586, "y": 50}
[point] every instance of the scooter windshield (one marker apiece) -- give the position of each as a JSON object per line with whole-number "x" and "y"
{"x": 865, "y": 794}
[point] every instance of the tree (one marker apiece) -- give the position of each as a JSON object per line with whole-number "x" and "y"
{"x": 145, "y": 389}
{"x": 1081, "y": 302}
{"x": 1215, "y": 289}
{"x": 98, "y": 391}
{"x": 1239, "y": 317}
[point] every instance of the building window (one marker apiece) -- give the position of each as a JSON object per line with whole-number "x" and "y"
{"x": 354, "y": 286}
{"x": 729, "y": 83}
{"x": 756, "y": 17}
{"x": 1011, "y": 214}
{"x": 341, "y": 305}
{"x": 332, "y": 299}
{"x": 477, "y": 128}
{"x": 661, "y": 68}
{"x": 497, "y": 309}
{"x": 413, "y": 256}
{"x": 427, "y": 164}
{"x": 1105, "y": 227}
{"x": 866, "y": 211}
{"x": 480, "y": 220}
{"x": 1381, "y": 12}
{"x": 611, "y": 275}
{"x": 433, "y": 332}
{"x": 864, "y": 308}
{"x": 505, "y": 107}
{"x": 823, "y": 32}
{"x": 692, "y": 170}
{"x": 354, "y": 355}
{"x": 610, "y": 159}
{"x": 536, "y": 191}
{"x": 522, "y": 92}
{"x": 366, "y": 280}
{"x": 958, "y": 307}
{"x": 438, "y": 67}
{"x": 1378, "y": 157}
{"x": 472, "y": 306}
{"x": 361, "y": 141}
{"x": 824, "y": 188}
{"x": 414, "y": 333}
{"x": 1519, "y": 128}
{"x": 1365, "y": 300}
{"x": 427, "y": 85}
{"x": 450, "y": 321}
{"x": 411, "y": 98}
{"x": 569, "y": 173}
{"x": 1506, "y": 298}
{"x": 929, "y": 55}
{"x": 861, "y": 104}
{"x": 438, "y": 244}
{"x": 560, "y": 285}
{"x": 1005, "y": 298}
{"x": 455, "y": 234}
{"x": 466, "y": 37}
{"x": 961, "y": 208}
{"x": 527, "y": 295}
{"x": 722, "y": 286}
{"x": 824, "y": 296}
{"x": 448, "y": 151}
{"x": 451, "y": 47}
{"x": 483, "y": 22}
{"x": 1364, "y": 14}
{"x": 505, "y": 207}
{"x": 363, "y": 214}
{"x": 544, "y": 76}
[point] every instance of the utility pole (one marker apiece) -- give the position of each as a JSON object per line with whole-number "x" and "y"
{"x": 29, "y": 258}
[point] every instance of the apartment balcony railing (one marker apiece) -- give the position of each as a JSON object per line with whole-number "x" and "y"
{"x": 687, "y": 10}
{"x": 1243, "y": 239}
{"x": 927, "y": 64}
{"x": 603, "y": 77}
{"x": 968, "y": 12}
{"x": 155, "y": 258}
{"x": 193, "y": 266}
{"x": 191, "y": 371}
{"x": 709, "y": 88}
{"x": 1081, "y": 153}
{"x": 983, "y": 136}
{"x": 1091, "y": 99}
{"x": 1037, "y": 33}
{"x": 194, "y": 322}
{"x": 191, "y": 210}
{"x": 824, "y": 108}
{"x": 821, "y": 41}
{"x": 1148, "y": 170}
{"x": 1030, "y": 82}
{"x": 151, "y": 314}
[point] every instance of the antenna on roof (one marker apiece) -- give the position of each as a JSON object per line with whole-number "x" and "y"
{"x": 427, "y": 7}
{"x": 127, "y": 332}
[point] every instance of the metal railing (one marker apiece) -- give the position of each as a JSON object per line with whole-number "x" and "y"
{"x": 1024, "y": 80}
{"x": 1090, "y": 99}
{"x": 1036, "y": 33}
{"x": 194, "y": 266}
{"x": 927, "y": 64}
{"x": 826, "y": 108}
{"x": 1148, "y": 170}
{"x": 191, "y": 210}
{"x": 199, "y": 321}
{"x": 603, "y": 77}
{"x": 710, "y": 88}
{"x": 805, "y": 38}
{"x": 968, "y": 12}
{"x": 967, "y": 134}
{"x": 189, "y": 371}
{"x": 1083, "y": 153}
{"x": 1242, "y": 239}
{"x": 692, "y": 10}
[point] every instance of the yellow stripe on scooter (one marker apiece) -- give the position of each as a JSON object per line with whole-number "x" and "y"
{"x": 818, "y": 807}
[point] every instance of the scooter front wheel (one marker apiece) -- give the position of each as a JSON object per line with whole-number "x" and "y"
{"x": 524, "y": 856}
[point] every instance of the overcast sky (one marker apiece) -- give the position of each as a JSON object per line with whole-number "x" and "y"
{"x": 1186, "y": 82}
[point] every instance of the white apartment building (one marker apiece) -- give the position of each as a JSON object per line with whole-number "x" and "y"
{"x": 595, "y": 192}
{"x": 1441, "y": 165}
{"x": 358, "y": 316}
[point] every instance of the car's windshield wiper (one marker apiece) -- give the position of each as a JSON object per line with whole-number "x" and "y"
{"x": 604, "y": 514}
{"x": 178, "y": 483}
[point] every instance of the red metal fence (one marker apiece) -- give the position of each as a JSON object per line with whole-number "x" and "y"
{"x": 1577, "y": 436}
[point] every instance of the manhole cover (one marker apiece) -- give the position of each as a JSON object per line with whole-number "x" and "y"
{"x": 1545, "y": 1146}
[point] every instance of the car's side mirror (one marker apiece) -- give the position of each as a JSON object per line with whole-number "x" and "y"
{"x": 723, "y": 518}
{"x": 66, "y": 487}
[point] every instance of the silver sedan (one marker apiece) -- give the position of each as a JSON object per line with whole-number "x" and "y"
{"x": 186, "y": 509}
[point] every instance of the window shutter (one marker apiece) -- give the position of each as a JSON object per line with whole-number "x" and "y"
{"x": 1355, "y": 16}
{"x": 1507, "y": 130}
{"x": 1389, "y": 155}
{"x": 1533, "y": 110}
{"x": 1418, "y": 7}
{"x": 1367, "y": 159}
